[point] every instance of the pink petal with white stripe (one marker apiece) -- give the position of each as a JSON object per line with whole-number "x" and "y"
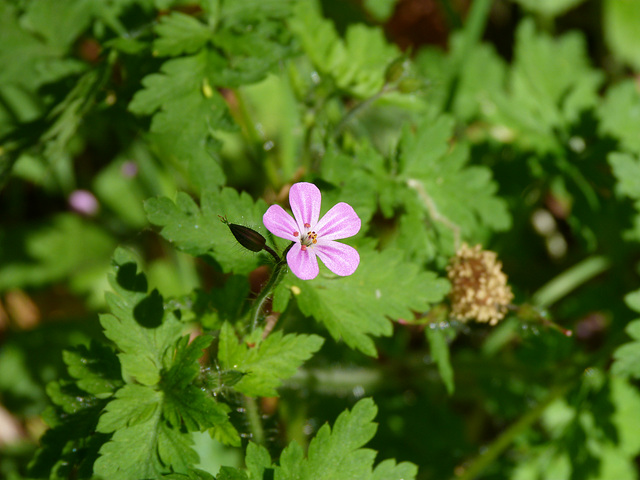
{"x": 305, "y": 199}
{"x": 303, "y": 263}
{"x": 341, "y": 259}
{"x": 341, "y": 221}
{"x": 280, "y": 223}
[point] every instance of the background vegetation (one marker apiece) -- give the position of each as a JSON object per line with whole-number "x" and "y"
{"x": 127, "y": 127}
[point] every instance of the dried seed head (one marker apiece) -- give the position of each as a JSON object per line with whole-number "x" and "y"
{"x": 479, "y": 288}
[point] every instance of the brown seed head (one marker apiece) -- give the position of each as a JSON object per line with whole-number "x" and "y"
{"x": 479, "y": 288}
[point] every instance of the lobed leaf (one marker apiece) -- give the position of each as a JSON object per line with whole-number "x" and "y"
{"x": 267, "y": 362}
{"x": 199, "y": 230}
{"x": 383, "y": 288}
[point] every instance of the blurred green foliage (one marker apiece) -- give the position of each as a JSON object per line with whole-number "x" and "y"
{"x": 130, "y": 128}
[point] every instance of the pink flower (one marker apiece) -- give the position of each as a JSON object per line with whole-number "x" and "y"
{"x": 312, "y": 237}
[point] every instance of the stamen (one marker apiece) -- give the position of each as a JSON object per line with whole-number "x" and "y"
{"x": 295, "y": 234}
{"x": 303, "y": 247}
{"x": 306, "y": 225}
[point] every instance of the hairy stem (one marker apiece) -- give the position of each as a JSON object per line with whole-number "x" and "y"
{"x": 255, "y": 422}
{"x": 267, "y": 290}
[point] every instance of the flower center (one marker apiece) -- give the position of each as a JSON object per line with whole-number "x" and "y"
{"x": 307, "y": 239}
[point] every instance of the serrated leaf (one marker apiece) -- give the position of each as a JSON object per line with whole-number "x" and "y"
{"x": 139, "y": 326}
{"x": 338, "y": 453}
{"x": 185, "y": 104}
{"x": 142, "y": 445}
{"x": 66, "y": 445}
{"x": 230, "y": 473}
{"x": 620, "y": 25}
{"x": 550, "y": 84}
{"x": 357, "y": 64}
{"x": 620, "y": 114}
{"x": 185, "y": 403}
{"x": 389, "y": 470}
{"x": 440, "y": 353}
{"x": 440, "y": 178}
{"x": 179, "y": 33}
{"x": 257, "y": 460}
{"x": 199, "y": 230}
{"x": 266, "y": 363}
{"x": 96, "y": 369}
{"x": 132, "y": 404}
{"x": 145, "y": 450}
{"x": 626, "y": 169}
{"x": 354, "y": 308}
{"x": 69, "y": 397}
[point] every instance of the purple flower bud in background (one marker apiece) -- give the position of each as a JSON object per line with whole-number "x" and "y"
{"x": 129, "y": 169}
{"x": 83, "y": 202}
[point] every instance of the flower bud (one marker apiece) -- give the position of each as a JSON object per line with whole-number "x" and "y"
{"x": 247, "y": 237}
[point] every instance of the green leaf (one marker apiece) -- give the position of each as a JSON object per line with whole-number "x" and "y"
{"x": 388, "y": 470}
{"x": 199, "y": 230}
{"x": 550, "y": 84}
{"x": 185, "y": 104}
{"x": 620, "y": 25}
{"x": 381, "y": 10}
{"x": 185, "y": 403}
{"x": 464, "y": 195}
{"x": 52, "y": 251}
{"x": 357, "y": 64}
{"x": 620, "y": 115}
{"x": 179, "y": 33}
{"x": 440, "y": 354}
{"x": 549, "y": 8}
{"x": 357, "y": 307}
{"x": 138, "y": 325}
{"x": 267, "y": 362}
{"x": 229, "y": 473}
{"x": 70, "y": 446}
{"x": 60, "y": 23}
{"x": 145, "y": 450}
{"x": 338, "y": 453}
{"x": 132, "y": 405}
{"x": 257, "y": 460}
{"x": 626, "y": 169}
{"x": 143, "y": 445}
{"x": 96, "y": 369}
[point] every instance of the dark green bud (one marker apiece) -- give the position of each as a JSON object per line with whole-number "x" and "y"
{"x": 248, "y": 238}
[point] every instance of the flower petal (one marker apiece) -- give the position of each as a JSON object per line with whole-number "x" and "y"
{"x": 341, "y": 221}
{"x": 280, "y": 223}
{"x": 303, "y": 263}
{"x": 305, "y": 199}
{"x": 341, "y": 259}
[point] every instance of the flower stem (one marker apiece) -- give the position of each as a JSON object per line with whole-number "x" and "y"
{"x": 266, "y": 291}
{"x": 569, "y": 280}
{"x": 359, "y": 107}
{"x": 255, "y": 422}
{"x": 508, "y": 436}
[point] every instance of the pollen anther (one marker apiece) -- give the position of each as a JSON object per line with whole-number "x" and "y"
{"x": 295, "y": 234}
{"x": 306, "y": 225}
